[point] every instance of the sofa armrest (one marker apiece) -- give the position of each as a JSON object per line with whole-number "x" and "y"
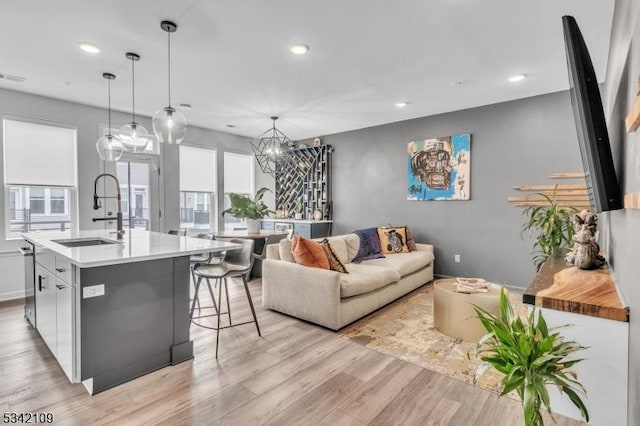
{"x": 425, "y": 247}
{"x": 312, "y": 294}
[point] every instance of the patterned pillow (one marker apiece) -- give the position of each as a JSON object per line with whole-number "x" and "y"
{"x": 334, "y": 262}
{"x": 393, "y": 240}
{"x": 369, "y": 245}
{"x": 309, "y": 253}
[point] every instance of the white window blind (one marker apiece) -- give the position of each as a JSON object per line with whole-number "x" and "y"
{"x": 39, "y": 154}
{"x": 197, "y": 169}
{"x": 238, "y": 173}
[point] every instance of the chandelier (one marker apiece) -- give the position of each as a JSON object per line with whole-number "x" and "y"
{"x": 271, "y": 150}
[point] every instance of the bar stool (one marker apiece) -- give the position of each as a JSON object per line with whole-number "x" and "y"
{"x": 180, "y": 232}
{"x": 203, "y": 258}
{"x": 237, "y": 264}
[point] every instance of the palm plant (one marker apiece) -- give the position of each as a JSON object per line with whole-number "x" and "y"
{"x": 553, "y": 227}
{"x": 530, "y": 357}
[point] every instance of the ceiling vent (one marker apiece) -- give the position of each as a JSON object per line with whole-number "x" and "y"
{"x": 14, "y": 78}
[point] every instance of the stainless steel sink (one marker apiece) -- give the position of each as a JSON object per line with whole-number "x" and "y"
{"x": 84, "y": 242}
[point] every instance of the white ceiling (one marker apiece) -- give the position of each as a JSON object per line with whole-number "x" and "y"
{"x": 231, "y": 59}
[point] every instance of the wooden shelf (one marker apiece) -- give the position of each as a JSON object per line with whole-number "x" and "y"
{"x": 566, "y": 288}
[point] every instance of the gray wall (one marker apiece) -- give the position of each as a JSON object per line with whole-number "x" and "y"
{"x": 89, "y": 120}
{"x": 512, "y": 143}
{"x": 620, "y": 230}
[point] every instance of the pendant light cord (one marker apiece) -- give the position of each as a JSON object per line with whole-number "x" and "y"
{"x": 169, "y": 61}
{"x": 109, "y": 83}
{"x": 133, "y": 88}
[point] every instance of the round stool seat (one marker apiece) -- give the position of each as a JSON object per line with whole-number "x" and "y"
{"x": 453, "y": 312}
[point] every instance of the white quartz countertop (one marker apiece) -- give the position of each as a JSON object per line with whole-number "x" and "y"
{"x": 136, "y": 246}
{"x": 271, "y": 219}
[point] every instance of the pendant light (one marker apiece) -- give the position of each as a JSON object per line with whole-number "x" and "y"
{"x": 169, "y": 124}
{"x": 109, "y": 146}
{"x": 271, "y": 150}
{"x": 134, "y": 137}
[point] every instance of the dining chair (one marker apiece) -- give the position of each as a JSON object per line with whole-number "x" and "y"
{"x": 237, "y": 264}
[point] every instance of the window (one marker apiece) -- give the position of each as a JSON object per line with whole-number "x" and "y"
{"x": 38, "y": 209}
{"x": 197, "y": 189}
{"x": 238, "y": 178}
{"x": 57, "y": 201}
{"x": 36, "y": 200}
{"x": 133, "y": 177}
{"x": 40, "y": 176}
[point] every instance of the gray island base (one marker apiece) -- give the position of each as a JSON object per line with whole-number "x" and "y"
{"x": 129, "y": 306}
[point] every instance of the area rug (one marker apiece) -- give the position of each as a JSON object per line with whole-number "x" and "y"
{"x": 404, "y": 330}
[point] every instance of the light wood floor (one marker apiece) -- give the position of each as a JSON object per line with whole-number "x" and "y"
{"x": 297, "y": 373}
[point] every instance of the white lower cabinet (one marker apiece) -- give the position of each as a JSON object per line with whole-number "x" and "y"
{"x": 54, "y": 315}
{"x": 64, "y": 326}
{"x": 46, "y": 307}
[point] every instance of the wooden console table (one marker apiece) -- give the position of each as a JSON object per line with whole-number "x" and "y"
{"x": 589, "y": 302}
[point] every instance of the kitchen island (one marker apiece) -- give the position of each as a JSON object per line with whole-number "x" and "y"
{"x": 112, "y": 310}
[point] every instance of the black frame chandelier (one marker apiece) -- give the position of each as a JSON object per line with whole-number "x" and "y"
{"x": 271, "y": 150}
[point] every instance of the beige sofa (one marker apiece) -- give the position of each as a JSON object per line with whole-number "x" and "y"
{"x": 332, "y": 299}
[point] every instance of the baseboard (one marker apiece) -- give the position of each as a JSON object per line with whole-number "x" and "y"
{"x": 11, "y": 295}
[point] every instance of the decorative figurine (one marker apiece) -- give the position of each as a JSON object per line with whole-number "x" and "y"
{"x": 585, "y": 253}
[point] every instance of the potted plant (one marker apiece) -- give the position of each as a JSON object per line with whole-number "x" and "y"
{"x": 251, "y": 209}
{"x": 298, "y": 211}
{"x": 553, "y": 227}
{"x": 531, "y": 357}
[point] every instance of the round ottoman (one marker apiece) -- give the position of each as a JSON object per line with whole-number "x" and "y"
{"x": 453, "y": 312}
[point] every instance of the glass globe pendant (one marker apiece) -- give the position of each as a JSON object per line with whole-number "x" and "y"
{"x": 109, "y": 146}
{"x": 169, "y": 125}
{"x": 134, "y": 137}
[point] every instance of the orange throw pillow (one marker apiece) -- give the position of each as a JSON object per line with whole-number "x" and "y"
{"x": 309, "y": 253}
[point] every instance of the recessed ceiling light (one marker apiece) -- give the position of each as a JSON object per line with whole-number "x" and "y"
{"x": 185, "y": 107}
{"x": 231, "y": 126}
{"x": 516, "y": 78}
{"x": 299, "y": 49}
{"x": 456, "y": 84}
{"x": 402, "y": 104}
{"x": 89, "y": 48}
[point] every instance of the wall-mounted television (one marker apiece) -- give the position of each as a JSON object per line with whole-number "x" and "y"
{"x": 597, "y": 160}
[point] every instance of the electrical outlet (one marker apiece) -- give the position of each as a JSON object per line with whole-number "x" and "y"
{"x": 457, "y": 258}
{"x": 93, "y": 291}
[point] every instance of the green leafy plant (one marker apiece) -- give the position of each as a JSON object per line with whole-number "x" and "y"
{"x": 244, "y": 207}
{"x": 298, "y": 205}
{"x": 530, "y": 356}
{"x": 552, "y": 226}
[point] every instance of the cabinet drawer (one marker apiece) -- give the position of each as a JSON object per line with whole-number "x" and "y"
{"x": 267, "y": 225}
{"x": 302, "y": 229}
{"x": 63, "y": 269}
{"x": 45, "y": 257}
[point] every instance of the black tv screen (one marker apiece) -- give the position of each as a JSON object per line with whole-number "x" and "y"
{"x": 597, "y": 160}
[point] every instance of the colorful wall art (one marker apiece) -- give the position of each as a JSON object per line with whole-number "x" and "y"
{"x": 439, "y": 169}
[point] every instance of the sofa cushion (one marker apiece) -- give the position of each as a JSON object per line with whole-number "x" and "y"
{"x": 284, "y": 250}
{"x": 393, "y": 239}
{"x": 411, "y": 242}
{"x": 403, "y": 263}
{"x": 369, "y": 245}
{"x": 365, "y": 278}
{"x": 309, "y": 253}
{"x": 334, "y": 262}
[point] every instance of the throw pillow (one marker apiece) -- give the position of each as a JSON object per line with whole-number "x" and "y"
{"x": 284, "y": 249}
{"x": 309, "y": 253}
{"x": 369, "y": 245}
{"x": 334, "y": 261}
{"x": 393, "y": 240}
{"x": 411, "y": 242}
